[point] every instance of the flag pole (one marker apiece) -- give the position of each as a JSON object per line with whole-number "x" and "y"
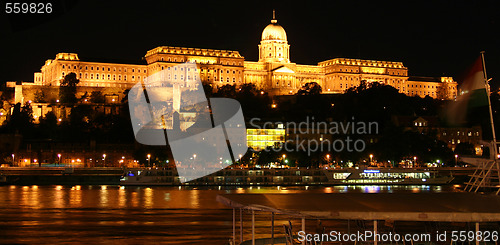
{"x": 495, "y": 151}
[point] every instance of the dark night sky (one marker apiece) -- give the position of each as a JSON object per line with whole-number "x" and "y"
{"x": 432, "y": 38}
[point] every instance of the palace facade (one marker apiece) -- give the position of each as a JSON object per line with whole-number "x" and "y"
{"x": 273, "y": 73}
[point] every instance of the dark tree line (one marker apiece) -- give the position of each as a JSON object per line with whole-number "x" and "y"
{"x": 372, "y": 102}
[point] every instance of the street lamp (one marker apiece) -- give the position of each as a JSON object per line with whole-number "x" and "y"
{"x": 59, "y": 156}
{"x": 371, "y": 158}
{"x": 328, "y": 158}
{"x": 149, "y": 160}
{"x": 414, "y": 161}
{"x": 104, "y": 159}
{"x": 456, "y": 160}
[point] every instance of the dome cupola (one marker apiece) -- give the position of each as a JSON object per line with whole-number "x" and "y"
{"x": 273, "y": 45}
{"x": 274, "y": 31}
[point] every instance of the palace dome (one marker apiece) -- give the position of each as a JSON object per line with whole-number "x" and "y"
{"x": 274, "y": 31}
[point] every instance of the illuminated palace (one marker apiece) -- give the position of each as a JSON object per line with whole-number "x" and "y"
{"x": 273, "y": 73}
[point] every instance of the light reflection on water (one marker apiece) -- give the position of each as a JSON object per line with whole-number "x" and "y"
{"x": 114, "y": 214}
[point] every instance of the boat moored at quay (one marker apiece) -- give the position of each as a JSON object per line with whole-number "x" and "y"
{"x": 289, "y": 176}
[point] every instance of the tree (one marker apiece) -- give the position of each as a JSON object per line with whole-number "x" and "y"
{"x": 97, "y": 97}
{"x": 227, "y": 91}
{"x": 67, "y": 90}
{"x": 248, "y": 89}
{"x": 21, "y": 119}
{"x": 40, "y": 97}
{"x": 465, "y": 149}
{"x": 208, "y": 88}
{"x": 311, "y": 88}
{"x": 48, "y": 125}
{"x": 443, "y": 91}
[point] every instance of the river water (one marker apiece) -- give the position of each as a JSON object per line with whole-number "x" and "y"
{"x": 136, "y": 215}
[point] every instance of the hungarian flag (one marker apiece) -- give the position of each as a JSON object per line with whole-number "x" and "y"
{"x": 472, "y": 93}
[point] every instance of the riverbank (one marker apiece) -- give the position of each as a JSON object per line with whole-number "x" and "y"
{"x": 112, "y": 176}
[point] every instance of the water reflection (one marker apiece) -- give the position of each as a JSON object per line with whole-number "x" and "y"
{"x": 103, "y": 196}
{"x": 148, "y": 197}
{"x": 122, "y": 197}
{"x": 58, "y": 197}
{"x": 138, "y": 215}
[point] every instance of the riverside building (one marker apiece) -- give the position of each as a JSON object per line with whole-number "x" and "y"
{"x": 274, "y": 72}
